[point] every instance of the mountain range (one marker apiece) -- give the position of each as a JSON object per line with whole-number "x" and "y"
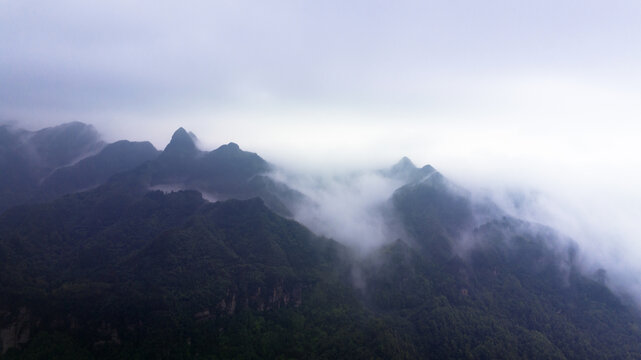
{"x": 119, "y": 250}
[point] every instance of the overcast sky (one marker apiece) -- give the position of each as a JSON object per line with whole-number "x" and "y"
{"x": 430, "y": 79}
{"x": 542, "y": 95}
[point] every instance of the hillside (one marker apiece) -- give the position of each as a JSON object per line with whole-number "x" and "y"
{"x": 194, "y": 254}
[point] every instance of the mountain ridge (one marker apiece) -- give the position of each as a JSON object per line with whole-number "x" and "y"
{"x": 122, "y": 270}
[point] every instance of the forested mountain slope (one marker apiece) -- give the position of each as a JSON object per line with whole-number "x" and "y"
{"x": 128, "y": 271}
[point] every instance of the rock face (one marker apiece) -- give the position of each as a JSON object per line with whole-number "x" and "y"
{"x": 16, "y": 332}
{"x": 260, "y": 299}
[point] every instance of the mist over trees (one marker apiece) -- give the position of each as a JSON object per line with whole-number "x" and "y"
{"x": 390, "y": 263}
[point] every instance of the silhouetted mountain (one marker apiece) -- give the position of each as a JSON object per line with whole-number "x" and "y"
{"x": 51, "y": 162}
{"x": 224, "y": 173}
{"x": 27, "y": 157}
{"x": 123, "y": 271}
{"x": 406, "y": 171}
{"x": 499, "y": 288}
{"x": 62, "y": 145}
{"x": 434, "y": 205}
{"x": 181, "y": 148}
{"x": 96, "y": 170}
{"x": 18, "y": 177}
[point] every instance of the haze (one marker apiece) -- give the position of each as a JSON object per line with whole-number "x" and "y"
{"x": 539, "y": 98}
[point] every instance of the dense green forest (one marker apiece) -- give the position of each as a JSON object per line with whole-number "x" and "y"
{"x": 125, "y": 271}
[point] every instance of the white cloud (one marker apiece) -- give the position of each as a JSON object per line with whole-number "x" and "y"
{"x": 347, "y": 207}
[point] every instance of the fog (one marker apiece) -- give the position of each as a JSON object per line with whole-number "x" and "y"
{"x": 599, "y": 213}
{"x": 352, "y": 207}
{"x": 602, "y": 220}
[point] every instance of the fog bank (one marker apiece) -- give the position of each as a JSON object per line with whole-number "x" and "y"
{"x": 351, "y": 208}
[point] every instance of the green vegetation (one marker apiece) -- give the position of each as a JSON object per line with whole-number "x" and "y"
{"x": 106, "y": 274}
{"x": 123, "y": 272}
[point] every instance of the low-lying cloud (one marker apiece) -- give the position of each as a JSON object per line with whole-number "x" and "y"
{"x": 351, "y": 208}
{"x": 604, "y": 224}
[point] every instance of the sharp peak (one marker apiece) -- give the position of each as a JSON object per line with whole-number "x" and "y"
{"x": 181, "y": 133}
{"x": 183, "y": 140}
{"x": 404, "y": 164}
{"x": 405, "y": 161}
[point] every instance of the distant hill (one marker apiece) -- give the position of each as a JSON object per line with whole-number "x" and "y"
{"x": 42, "y": 165}
{"x": 97, "y": 169}
{"x": 26, "y": 157}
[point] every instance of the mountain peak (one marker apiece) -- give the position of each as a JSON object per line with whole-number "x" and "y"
{"x": 405, "y": 164}
{"x": 232, "y": 146}
{"x": 180, "y": 134}
{"x": 181, "y": 142}
{"x": 406, "y": 171}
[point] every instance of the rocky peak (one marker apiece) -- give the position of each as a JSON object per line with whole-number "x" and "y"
{"x": 406, "y": 171}
{"x": 403, "y": 165}
{"x": 182, "y": 144}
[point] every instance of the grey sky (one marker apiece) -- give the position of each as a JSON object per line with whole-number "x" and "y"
{"x": 462, "y": 84}
{"x": 543, "y": 94}
{"x": 431, "y": 61}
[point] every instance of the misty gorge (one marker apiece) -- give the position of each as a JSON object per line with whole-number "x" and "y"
{"x": 112, "y": 250}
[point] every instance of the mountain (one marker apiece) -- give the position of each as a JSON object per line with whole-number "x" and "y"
{"x": 181, "y": 147}
{"x": 44, "y": 164}
{"x": 26, "y": 157}
{"x": 105, "y": 274}
{"x": 224, "y": 173}
{"x": 63, "y": 144}
{"x": 97, "y": 169}
{"x": 17, "y": 177}
{"x": 503, "y": 288}
{"x": 145, "y": 265}
{"x": 406, "y": 171}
